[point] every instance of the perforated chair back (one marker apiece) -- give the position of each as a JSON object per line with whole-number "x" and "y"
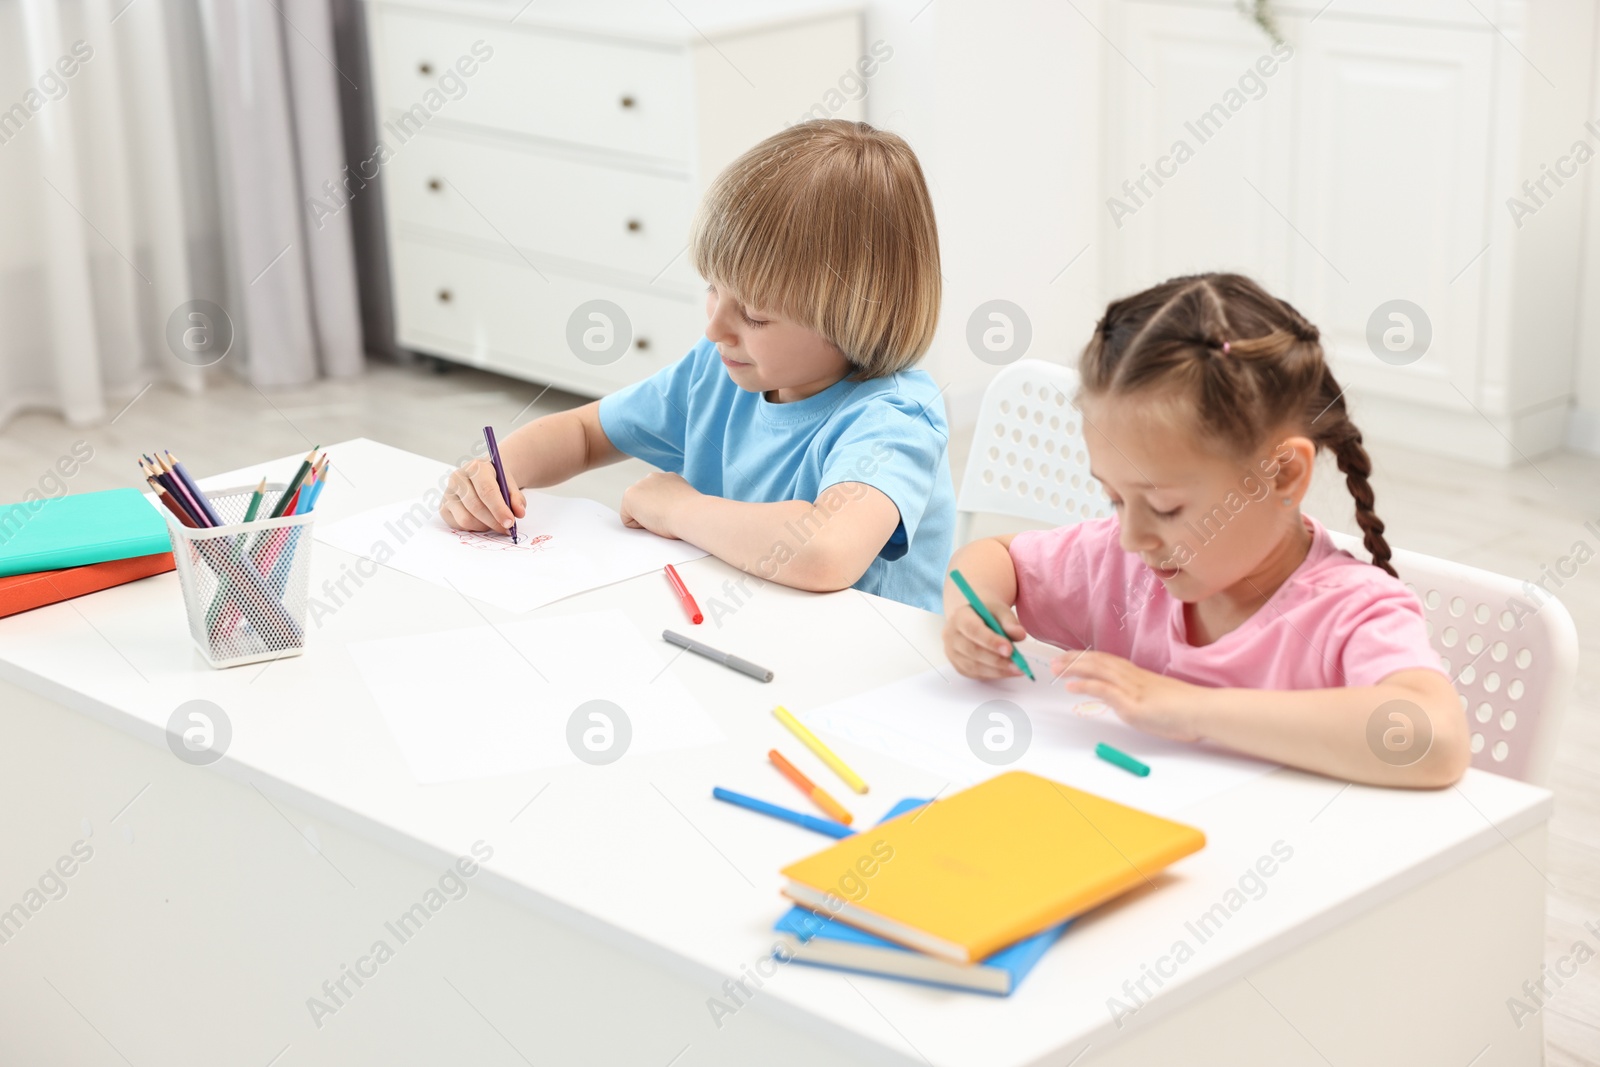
{"x": 1028, "y": 458}
{"x": 1513, "y": 657}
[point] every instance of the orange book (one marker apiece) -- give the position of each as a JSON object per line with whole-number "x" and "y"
{"x": 986, "y": 867}
{"x": 24, "y": 592}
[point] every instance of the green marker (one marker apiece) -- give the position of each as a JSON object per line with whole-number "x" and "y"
{"x": 989, "y": 621}
{"x": 1121, "y": 759}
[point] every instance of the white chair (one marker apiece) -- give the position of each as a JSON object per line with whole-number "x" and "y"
{"x": 1027, "y": 458}
{"x": 1514, "y": 674}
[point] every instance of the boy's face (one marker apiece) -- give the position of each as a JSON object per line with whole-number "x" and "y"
{"x": 1203, "y": 523}
{"x": 766, "y": 353}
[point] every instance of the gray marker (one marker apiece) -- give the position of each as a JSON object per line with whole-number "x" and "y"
{"x": 743, "y": 666}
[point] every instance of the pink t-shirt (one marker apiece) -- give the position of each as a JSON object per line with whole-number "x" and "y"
{"x": 1336, "y": 621}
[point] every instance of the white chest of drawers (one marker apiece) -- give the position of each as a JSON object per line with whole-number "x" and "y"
{"x": 537, "y": 161}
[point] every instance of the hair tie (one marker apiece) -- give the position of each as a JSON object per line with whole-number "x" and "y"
{"x": 1225, "y": 348}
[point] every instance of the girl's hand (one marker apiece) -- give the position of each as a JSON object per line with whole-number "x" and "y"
{"x": 977, "y": 651}
{"x": 1143, "y": 699}
{"x": 472, "y": 499}
{"x": 653, "y": 502}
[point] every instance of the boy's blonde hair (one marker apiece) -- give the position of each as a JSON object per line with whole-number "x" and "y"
{"x": 829, "y": 224}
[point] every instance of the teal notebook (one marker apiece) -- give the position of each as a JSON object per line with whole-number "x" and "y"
{"x": 78, "y": 529}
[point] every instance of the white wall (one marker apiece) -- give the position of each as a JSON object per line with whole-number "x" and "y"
{"x": 1001, "y": 102}
{"x": 1583, "y": 429}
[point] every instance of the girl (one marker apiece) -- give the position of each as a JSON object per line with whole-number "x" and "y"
{"x": 1208, "y": 606}
{"x": 794, "y": 440}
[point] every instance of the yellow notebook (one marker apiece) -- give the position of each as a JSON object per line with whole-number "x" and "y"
{"x": 983, "y": 868}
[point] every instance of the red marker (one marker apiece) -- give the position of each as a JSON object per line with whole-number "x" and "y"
{"x": 682, "y": 590}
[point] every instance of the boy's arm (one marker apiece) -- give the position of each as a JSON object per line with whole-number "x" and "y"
{"x": 820, "y": 546}
{"x": 545, "y": 452}
{"x": 550, "y": 450}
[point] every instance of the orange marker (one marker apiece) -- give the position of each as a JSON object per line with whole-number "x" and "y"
{"x": 811, "y": 789}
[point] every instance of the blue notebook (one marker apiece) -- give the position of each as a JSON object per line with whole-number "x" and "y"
{"x": 71, "y": 531}
{"x": 826, "y": 942}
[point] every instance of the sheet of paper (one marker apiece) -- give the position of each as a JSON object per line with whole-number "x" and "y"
{"x": 566, "y": 545}
{"x": 521, "y": 696}
{"x": 940, "y": 722}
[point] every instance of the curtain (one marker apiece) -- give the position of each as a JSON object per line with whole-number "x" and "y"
{"x": 156, "y": 159}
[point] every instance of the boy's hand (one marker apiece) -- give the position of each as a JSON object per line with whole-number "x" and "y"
{"x": 472, "y": 499}
{"x": 977, "y": 651}
{"x": 1143, "y": 699}
{"x": 653, "y": 502}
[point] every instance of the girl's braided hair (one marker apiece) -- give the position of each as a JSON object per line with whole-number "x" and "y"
{"x": 1244, "y": 361}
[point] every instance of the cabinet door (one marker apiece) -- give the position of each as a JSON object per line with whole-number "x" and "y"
{"x": 573, "y": 89}
{"x": 1390, "y": 197}
{"x": 632, "y": 220}
{"x": 1184, "y": 82}
{"x": 493, "y": 311}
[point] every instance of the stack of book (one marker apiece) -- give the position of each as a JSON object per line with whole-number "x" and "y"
{"x": 971, "y": 891}
{"x": 54, "y": 549}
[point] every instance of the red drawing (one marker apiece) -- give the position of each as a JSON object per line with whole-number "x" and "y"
{"x": 501, "y": 542}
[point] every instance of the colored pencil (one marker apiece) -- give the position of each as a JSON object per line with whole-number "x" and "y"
{"x": 189, "y": 495}
{"x": 684, "y": 596}
{"x": 818, "y": 795}
{"x": 810, "y": 822}
{"x": 255, "y": 501}
{"x": 170, "y": 484}
{"x": 169, "y": 503}
{"x": 824, "y": 753}
{"x": 316, "y": 494}
{"x": 177, "y": 468}
{"x": 990, "y": 621}
{"x": 281, "y": 509}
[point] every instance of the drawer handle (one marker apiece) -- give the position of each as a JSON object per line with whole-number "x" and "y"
{"x": 634, "y": 225}
{"x": 626, "y": 101}
{"x": 434, "y": 185}
{"x": 642, "y": 344}
{"x": 445, "y": 296}
{"x": 424, "y": 68}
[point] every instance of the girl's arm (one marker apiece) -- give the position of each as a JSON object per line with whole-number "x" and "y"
{"x": 819, "y": 546}
{"x": 1408, "y": 730}
{"x": 545, "y": 452}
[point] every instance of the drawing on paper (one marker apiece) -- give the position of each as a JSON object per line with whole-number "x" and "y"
{"x": 500, "y": 542}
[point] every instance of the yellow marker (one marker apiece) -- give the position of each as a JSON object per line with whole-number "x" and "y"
{"x": 824, "y": 753}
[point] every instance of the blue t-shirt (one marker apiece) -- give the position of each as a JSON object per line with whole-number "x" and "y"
{"x": 889, "y": 433}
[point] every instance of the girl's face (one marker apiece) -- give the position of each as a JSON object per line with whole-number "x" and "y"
{"x": 1204, "y": 523}
{"x": 766, "y": 353}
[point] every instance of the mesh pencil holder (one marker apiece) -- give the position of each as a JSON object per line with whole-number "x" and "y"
{"x": 245, "y": 585}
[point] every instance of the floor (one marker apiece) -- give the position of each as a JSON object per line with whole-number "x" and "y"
{"x": 1514, "y": 521}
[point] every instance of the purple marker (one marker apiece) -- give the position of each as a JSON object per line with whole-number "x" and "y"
{"x": 499, "y": 473}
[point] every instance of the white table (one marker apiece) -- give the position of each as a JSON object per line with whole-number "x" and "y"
{"x": 619, "y": 899}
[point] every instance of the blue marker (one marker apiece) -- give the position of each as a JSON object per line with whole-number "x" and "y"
{"x": 810, "y": 822}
